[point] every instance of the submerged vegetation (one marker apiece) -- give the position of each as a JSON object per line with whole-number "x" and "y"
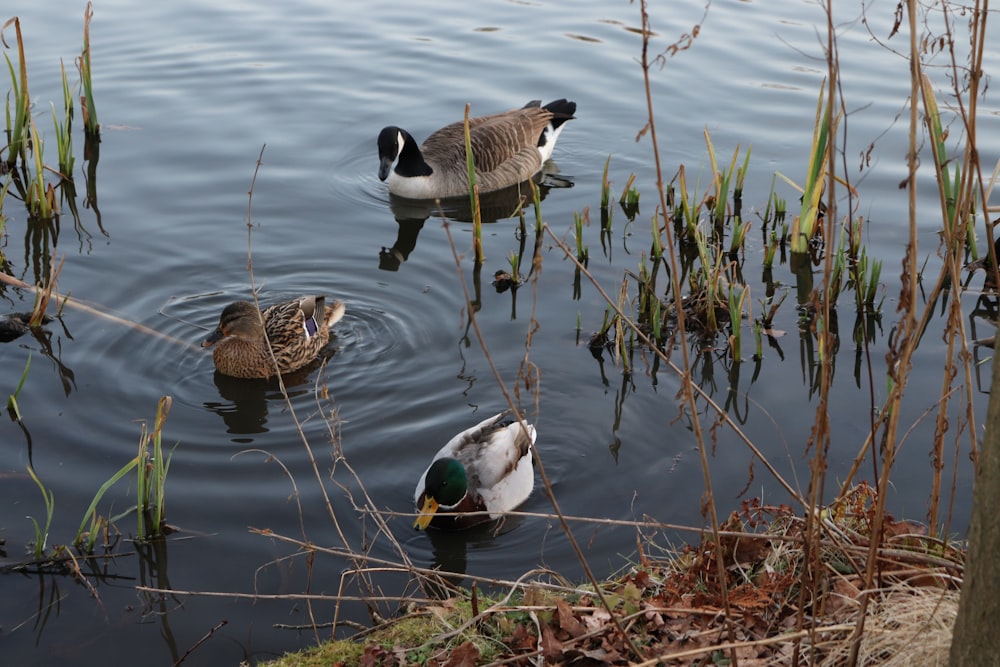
{"x": 811, "y": 582}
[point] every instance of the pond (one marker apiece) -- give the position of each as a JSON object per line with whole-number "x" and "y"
{"x": 190, "y": 95}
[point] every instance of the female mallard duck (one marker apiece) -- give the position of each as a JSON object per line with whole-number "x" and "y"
{"x": 508, "y": 147}
{"x": 485, "y": 469}
{"x": 297, "y": 329}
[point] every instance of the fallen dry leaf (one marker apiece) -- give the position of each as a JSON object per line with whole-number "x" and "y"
{"x": 568, "y": 620}
{"x": 552, "y": 649}
{"x": 465, "y": 655}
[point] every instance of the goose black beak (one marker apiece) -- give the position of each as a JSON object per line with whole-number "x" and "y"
{"x": 385, "y": 165}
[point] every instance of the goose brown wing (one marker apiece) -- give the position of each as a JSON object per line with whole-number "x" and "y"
{"x": 495, "y": 139}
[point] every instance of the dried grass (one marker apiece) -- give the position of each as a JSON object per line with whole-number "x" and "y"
{"x": 906, "y": 626}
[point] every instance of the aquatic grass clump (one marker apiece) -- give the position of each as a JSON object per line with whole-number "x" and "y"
{"x": 686, "y": 215}
{"x": 629, "y": 200}
{"x": 738, "y": 237}
{"x": 804, "y": 225}
{"x": 152, "y": 475}
{"x": 25, "y": 148}
{"x": 40, "y": 196}
{"x": 866, "y": 275}
{"x": 709, "y": 262}
{"x": 722, "y": 179}
{"x": 152, "y": 469}
{"x": 64, "y": 130}
{"x": 770, "y": 250}
{"x": 710, "y": 291}
{"x": 515, "y": 266}
{"x": 780, "y": 208}
{"x": 509, "y": 280}
{"x": 23, "y": 161}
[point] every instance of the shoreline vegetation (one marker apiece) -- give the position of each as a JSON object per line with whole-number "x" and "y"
{"x": 668, "y": 604}
{"x": 829, "y": 579}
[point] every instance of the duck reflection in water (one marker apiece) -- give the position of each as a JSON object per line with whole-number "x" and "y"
{"x": 244, "y": 404}
{"x": 411, "y": 214}
{"x": 450, "y": 552}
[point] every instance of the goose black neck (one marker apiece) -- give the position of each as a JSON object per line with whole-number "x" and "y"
{"x": 411, "y": 160}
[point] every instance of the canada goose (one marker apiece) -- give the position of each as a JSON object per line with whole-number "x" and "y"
{"x": 509, "y": 148}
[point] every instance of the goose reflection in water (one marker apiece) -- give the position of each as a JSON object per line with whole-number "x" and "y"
{"x": 411, "y": 214}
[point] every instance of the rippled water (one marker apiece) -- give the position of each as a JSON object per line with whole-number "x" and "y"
{"x": 189, "y": 94}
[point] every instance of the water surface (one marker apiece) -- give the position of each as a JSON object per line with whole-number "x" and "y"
{"x": 188, "y": 96}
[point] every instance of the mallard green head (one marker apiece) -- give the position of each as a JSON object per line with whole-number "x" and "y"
{"x": 444, "y": 486}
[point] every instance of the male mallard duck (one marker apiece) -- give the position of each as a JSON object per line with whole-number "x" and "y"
{"x": 297, "y": 329}
{"x": 486, "y": 468}
{"x": 509, "y": 148}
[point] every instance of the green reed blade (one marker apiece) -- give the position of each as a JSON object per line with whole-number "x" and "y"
{"x": 39, "y": 200}
{"x": 605, "y": 185}
{"x": 758, "y": 329}
{"x": 12, "y": 399}
{"x": 740, "y": 229}
{"x": 142, "y": 481}
{"x": 741, "y": 173}
{"x": 735, "y": 327}
{"x": 17, "y": 127}
{"x": 477, "y": 219}
{"x": 657, "y": 249}
{"x": 64, "y": 133}
{"x": 536, "y": 200}
{"x": 91, "y": 512}
{"x": 161, "y": 465}
{"x": 770, "y": 250}
{"x": 89, "y": 109}
{"x": 42, "y": 535}
{"x": 803, "y": 226}
{"x": 64, "y": 145}
{"x": 721, "y": 179}
{"x": 582, "y": 252}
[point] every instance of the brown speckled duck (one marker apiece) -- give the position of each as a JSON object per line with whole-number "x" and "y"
{"x": 297, "y": 329}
